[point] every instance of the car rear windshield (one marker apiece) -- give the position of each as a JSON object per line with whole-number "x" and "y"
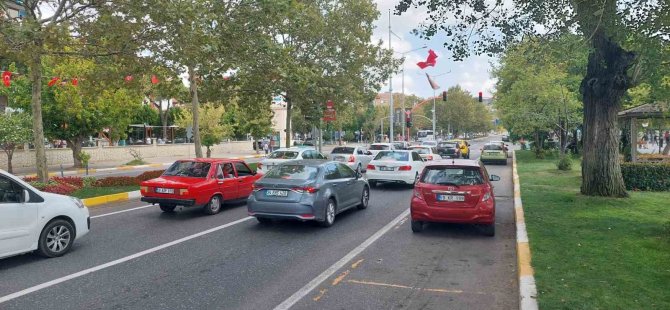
{"x": 456, "y": 176}
{"x": 292, "y": 172}
{"x": 448, "y": 145}
{"x": 493, "y": 147}
{"x": 283, "y": 155}
{"x": 421, "y": 150}
{"x": 392, "y": 156}
{"x": 343, "y": 150}
{"x": 378, "y": 147}
{"x": 191, "y": 169}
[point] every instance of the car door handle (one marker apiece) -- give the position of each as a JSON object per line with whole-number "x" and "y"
{"x": 335, "y": 184}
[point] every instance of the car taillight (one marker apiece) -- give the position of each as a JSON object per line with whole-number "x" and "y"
{"x": 352, "y": 158}
{"x": 429, "y": 157}
{"x": 405, "y": 168}
{"x": 144, "y": 188}
{"x": 487, "y": 196}
{"x": 183, "y": 191}
{"x": 305, "y": 189}
{"x": 257, "y": 187}
{"x": 370, "y": 167}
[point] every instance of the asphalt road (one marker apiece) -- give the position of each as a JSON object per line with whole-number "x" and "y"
{"x": 139, "y": 258}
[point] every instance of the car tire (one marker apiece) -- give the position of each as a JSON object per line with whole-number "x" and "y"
{"x": 167, "y": 208}
{"x": 56, "y": 238}
{"x": 488, "y": 230}
{"x": 417, "y": 226}
{"x": 365, "y": 199}
{"x": 329, "y": 216}
{"x": 213, "y": 206}
{"x": 264, "y": 220}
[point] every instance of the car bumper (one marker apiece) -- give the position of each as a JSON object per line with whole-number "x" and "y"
{"x": 285, "y": 210}
{"x": 483, "y": 213}
{"x": 169, "y": 201}
{"x": 393, "y": 176}
{"x": 82, "y": 223}
{"x": 494, "y": 159}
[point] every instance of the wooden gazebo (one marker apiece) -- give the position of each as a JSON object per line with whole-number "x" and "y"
{"x": 632, "y": 116}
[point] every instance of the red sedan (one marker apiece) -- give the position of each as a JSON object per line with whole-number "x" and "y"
{"x": 454, "y": 191}
{"x": 205, "y": 182}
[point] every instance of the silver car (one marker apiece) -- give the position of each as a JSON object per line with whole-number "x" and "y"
{"x": 356, "y": 157}
{"x": 308, "y": 190}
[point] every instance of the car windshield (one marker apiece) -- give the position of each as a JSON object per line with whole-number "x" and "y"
{"x": 430, "y": 143}
{"x": 343, "y": 150}
{"x": 191, "y": 169}
{"x": 378, "y": 147}
{"x": 421, "y": 150}
{"x": 456, "y": 176}
{"x": 283, "y": 155}
{"x": 448, "y": 145}
{"x": 292, "y": 172}
{"x": 493, "y": 147}
{"x": 392, "y": 156}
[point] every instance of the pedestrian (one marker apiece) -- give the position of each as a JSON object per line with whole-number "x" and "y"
{"x": 272, "y": 144}
{"x": 265, "y": 146}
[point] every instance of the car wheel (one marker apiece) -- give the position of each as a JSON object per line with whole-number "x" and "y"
{"x": 264, "y": 220}
{"x": 488, "y": 230}
{"x": 365, "y": 199}
{"x": 417, "y": 226}
{"x": 56, "y": 238}
{"x": 329, "y": 217}
{"x": 214, "y": 205}
{"x": 167, "y": 208}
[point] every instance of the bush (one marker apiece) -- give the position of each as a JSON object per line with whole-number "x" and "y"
{"x": 565, "y": 163}
{"x": 74, "y": 181}
{"x": 89, "y": 181}
{"x": 60, "y": 188}
{"x": 148, "y": 175}
{"x": 646, "y": 176}
{"x": 117, "y": 181}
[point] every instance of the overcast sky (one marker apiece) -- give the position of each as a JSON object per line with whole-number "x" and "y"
{"x": 472, "y": 74}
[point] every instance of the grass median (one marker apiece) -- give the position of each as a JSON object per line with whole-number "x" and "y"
{"x": 88, "y": 192}
{"x": 594, "y": 252}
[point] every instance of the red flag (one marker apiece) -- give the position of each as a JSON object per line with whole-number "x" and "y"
{"x": 129, "y": 78}
{"x": 430, "y": 61}
{"x": 433, "y": 85}
{"x": 75, "y": 82}
{"x": 154, "y": 79}
{"x": 53, "y": 81}
{"x": 6, "y": 78}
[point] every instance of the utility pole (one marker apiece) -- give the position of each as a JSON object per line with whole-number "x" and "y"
{"x": 390, "y": 91}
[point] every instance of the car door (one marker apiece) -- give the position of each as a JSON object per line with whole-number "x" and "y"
{"x": 363, "y": 157}
{"x": 245, "y": 179}
{"x": 331, "y": 178}
{"x": 18, "y": 219}
{"x": 417, "y": 162}
{"x": 227, "y": 181}
{"x": 349, "y": 188}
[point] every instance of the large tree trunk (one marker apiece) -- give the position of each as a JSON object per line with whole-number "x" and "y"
{"x": 36, "y": 105}
{"x": 10, "y": 154}
{"x": 288, "y": 120}
{"x": 606, "y": 81}
{"x": 164, "y": 118}
{"x": 196, "y": 112}
{"x": 75, "y": 146}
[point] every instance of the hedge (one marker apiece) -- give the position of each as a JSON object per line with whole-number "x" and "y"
{"x": 67, "y": 185}
{"x": 646, "y": 176}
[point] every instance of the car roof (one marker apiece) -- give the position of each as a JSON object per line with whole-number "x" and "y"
{"x": 212, "y": 160}
{"x": 382, "y": 143}
{"x": 454, "y": 162}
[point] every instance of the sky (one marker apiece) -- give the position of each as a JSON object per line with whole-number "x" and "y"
{"x": 472, "y": 74}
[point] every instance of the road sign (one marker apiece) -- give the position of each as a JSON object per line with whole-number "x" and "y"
{"x": 329, "y": 115}
{"x": 330, "y": 105}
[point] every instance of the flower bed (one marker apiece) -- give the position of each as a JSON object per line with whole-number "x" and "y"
{"x": 68, "y": 185}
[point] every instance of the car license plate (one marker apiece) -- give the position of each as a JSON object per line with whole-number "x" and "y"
{"x": 276, "y": 193}
{"x": 450, "y": 198}
{"x": 339, "y": 158}
{"x": 164, "y": 190}
{"x": 382, "y": 168}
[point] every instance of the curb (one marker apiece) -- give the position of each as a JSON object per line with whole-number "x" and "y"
{"x": 527, "y": 287}
{"x": 96, "y": 201}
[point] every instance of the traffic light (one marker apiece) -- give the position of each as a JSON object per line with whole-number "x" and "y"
{"x": 444, "y": 96}
{"x": 481, "y": 97}
{"x": 408, "y": 120}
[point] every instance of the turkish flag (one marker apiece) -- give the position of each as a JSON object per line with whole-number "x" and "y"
{"x": 154, "y": 79}
{"x": 75, "y": 82}
{"x": 430, "y": 61}
{"x": 53, "y": 81}
{"x": 6, "y": 78}
{"x": 128, "y": 78}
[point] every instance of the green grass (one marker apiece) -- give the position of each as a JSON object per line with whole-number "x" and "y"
{"x": 136, "y": 162}
{"x": 88, "y": 192}
{"x": 594, "y": 252}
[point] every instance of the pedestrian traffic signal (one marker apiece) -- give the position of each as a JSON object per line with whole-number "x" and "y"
{"x": 481, "y": 99}
{"x": 444, "y": 96}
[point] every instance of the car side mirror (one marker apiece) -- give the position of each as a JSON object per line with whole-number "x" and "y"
{"x": 494, "y": 177}
{"x": 368, "y": 153}
{"x": 26, "y": 196}
{"x": 358, "y": 175}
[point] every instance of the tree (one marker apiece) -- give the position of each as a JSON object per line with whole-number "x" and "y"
{"x": 211, "y": 127}
{"x": 14, "y": 131}
{"x": 606, "y": 26}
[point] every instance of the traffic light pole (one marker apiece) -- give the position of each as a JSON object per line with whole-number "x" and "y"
{"x": 390, "y": 91}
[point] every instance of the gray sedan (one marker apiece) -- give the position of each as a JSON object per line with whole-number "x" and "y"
{"x": 308, "y": 190}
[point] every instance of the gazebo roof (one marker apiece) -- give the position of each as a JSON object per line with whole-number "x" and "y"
{"x": 649, "y": 110}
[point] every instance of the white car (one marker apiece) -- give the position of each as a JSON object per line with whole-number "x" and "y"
{"x": 376, "y": 147}
{"x": 395, "y": 166}
{"x": 283, "y": 155}
{"x": 33, "y": 220}
{"x": 356, "y": 157}
{"x": 426, "y": 152}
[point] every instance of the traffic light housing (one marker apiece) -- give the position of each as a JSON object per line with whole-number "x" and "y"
{"x": 444, "y": 96}
{"x": 408, "y": 120}
{"x": 481, "y": 97}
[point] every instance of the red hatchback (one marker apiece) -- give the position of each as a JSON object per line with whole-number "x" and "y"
{"x": 204, "y": 182}
{"x": 454, "y": 191}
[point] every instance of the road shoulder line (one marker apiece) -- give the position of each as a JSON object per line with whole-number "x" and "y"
{"x": 302, "y": 292}
{"x": 527, "y": 287}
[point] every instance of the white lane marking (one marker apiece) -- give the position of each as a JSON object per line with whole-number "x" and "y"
{"x": 297, "y": 296}
{"x": 115, "y": 262}
{"x": 122, "y": 211}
